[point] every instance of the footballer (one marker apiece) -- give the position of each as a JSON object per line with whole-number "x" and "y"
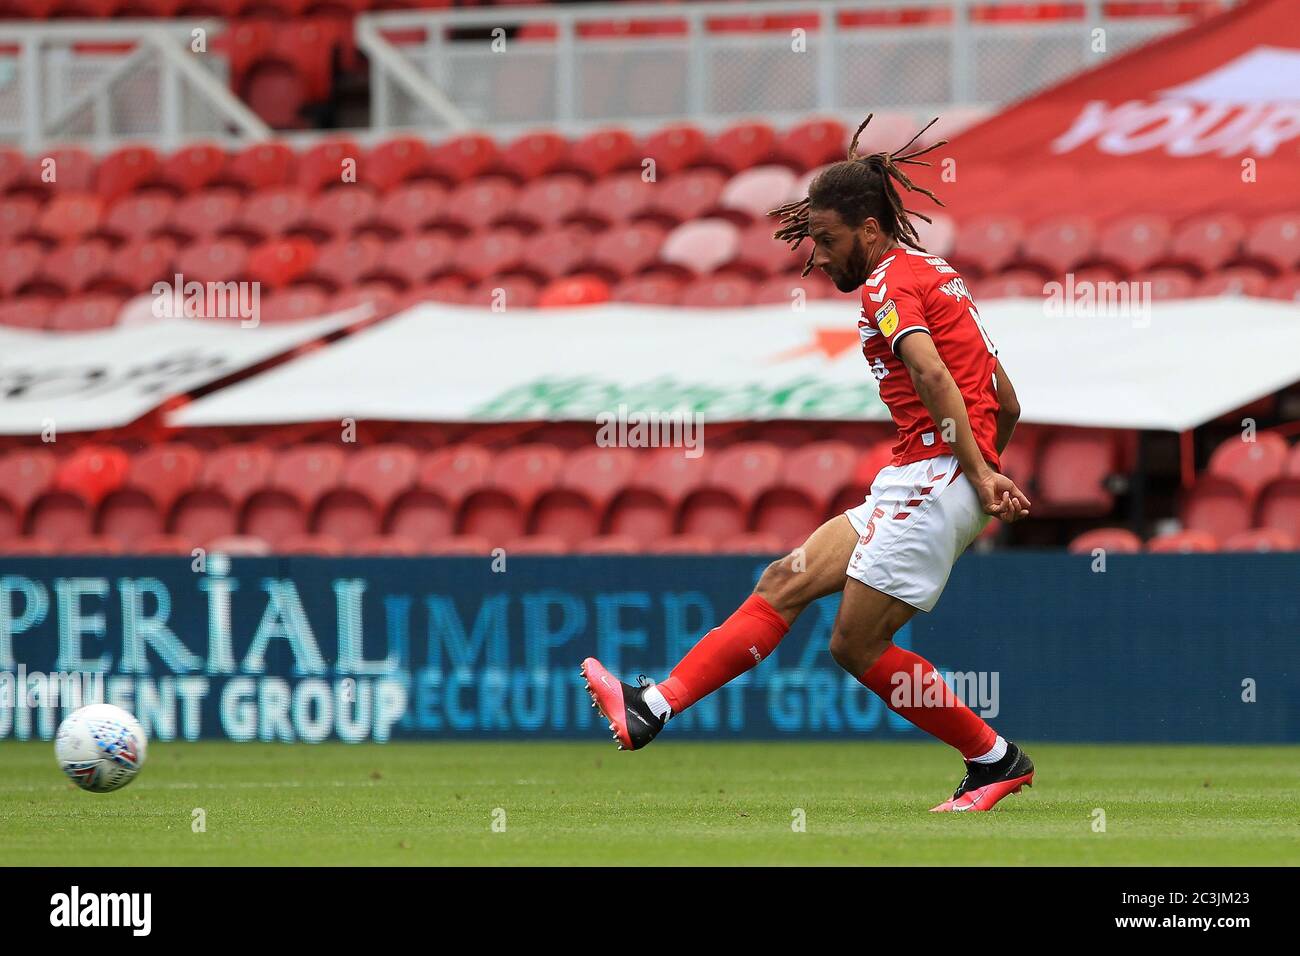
{"x": 955, "y": 410}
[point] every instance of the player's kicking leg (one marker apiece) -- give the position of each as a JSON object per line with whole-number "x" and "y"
{"x": 636, "y": 713}
{"x": 862, "y": 643}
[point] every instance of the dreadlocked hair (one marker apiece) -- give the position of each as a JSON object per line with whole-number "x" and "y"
{"x": 862, "y": 187}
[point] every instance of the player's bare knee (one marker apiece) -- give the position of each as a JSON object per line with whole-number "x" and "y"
{"x": 856, "y": 653}
{"x": 779, "y": 586}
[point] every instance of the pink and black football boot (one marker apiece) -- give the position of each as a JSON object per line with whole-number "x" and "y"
{"x": 987, "y": 783}
{"x": 630, "y": 718}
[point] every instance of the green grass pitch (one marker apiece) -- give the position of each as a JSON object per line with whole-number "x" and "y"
{"x": 675, "y": 803}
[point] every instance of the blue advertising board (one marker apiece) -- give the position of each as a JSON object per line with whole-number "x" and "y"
{"x": 1193, "y": 648}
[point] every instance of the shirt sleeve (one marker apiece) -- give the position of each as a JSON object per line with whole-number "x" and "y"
{"x": 892, "y": 304}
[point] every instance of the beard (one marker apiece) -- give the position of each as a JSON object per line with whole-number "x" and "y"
{"x": 854, "y": 272}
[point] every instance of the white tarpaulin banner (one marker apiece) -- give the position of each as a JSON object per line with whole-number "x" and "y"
{"x": 109, "y": 378}
{"x": 1178, "y": 365}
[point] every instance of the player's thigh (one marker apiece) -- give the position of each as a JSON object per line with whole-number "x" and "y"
{"x": 867, "y": 620}
{"x": 812, "y": 570}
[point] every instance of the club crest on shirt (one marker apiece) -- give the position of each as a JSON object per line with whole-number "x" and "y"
{"x": 887, "y": 317}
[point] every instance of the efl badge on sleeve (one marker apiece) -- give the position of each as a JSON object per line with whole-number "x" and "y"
{"x": 887, "y": 318}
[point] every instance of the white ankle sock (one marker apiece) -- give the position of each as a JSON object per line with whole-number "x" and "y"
{"x": 997, "y": 753}
{"x": 659, "y": 707}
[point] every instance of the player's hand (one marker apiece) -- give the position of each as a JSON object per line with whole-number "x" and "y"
{"x": 1000, "y": 497}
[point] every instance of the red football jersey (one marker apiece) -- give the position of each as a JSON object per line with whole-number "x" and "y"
{"x": 915, "y": 292}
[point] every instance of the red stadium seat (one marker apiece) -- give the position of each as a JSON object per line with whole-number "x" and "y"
{"x": 25, "y": 474}
{"x": 488, "y": 255}
{"x": 165, "y": 472}
{"x": 533, "y": 155}
{"x": 69, "y": 216}
{"x": 273, "y": 212}
{"x": 557, "y": 251}
{"x": 321, "y": 545}
{"x": 418, "y": 258}
{"x": 125, "y": 170}
{"x": 90, "y": 544}
{"x": 68, "y": 169}
{"x": 279, "y": 262}
{"x": 674, "y": 148}
{"x": 202, "y": 515}
{"x": 504, "y": 293}
{"x": 205, "y": 214}
{"x": 129, "y": 515}
{"x": 85, "y": 314}
{"x": 738, "y": 475}
{"x": 463, "y": 157}
{"x": 681, "y": 544}
{"x": 139, "y": 216}
{"x": 755, "y": 192}
{"x": 193, "y": 167}
{"x": 626, "y": 250}
{"x": 1275, "y": 241}
{"x": 1250, "y": 464}
{"x": 618, "y": 198}
{"x": 237, "y": 545}
{"x": 654, "y": 289}
{"x": 273, "y": 515}
{"x": 412, "y": 207}
{"x": 573, "y": 291}
{"x": 1239, "y": 280}
{"x": 987, "y": 244}
{"x": 1169, "y": 284}
{"x": 218, "y": 260}
{"x": 163, "y": 544}
{"x": 790, "y": 289}
{"x": 28, "y": 312}
{"x": 536, "y": 545}
{"x": 384, "y": 546}
{"x": 261, "y": 166}
{"x": 238, "y": 470}
{"x": 137, "y": 265}
{"x": 1260, "y": 539}
{"x": 1279, "y": 507}
{"x": 58, "y": 516}
{"x": 459, "y": 546}
{"x": 478, "y": 203}
{"x": 602, "y": 152}
{"x": 1207, "y": 242}
{"x": 758, "y": 542}
{"x": 1134, "y": 243}
{"x": 744, "y": 146}
{"x": 609, "y": 544}
{"x": 17, "y": 216}
{"x": 1060, "y": 244}
{"x": 546, "y": 202}
{"x": 761, "y": 255}
{"x": 1111, "y": 540}
{"x": 1183, "y": 542}
{"x": 293, "y": 305}
{"x": 1286, "y": 288}
{"x": 1218, "y": 506}
{"x": 701, "y": 246}
{"x": 813, "y": 143}
{"x": 718, "y": 292}
{"x": 329, "y": 163}
{"x": 341, "y": 210}
{"x": 19, "y": 266}
{"x": 589, "y": 480}
{"x": 687, "y": 196}
{"x": 1072, "y": 472}
{"x": 75, "y": 266}
{"x": 395, "y": 161}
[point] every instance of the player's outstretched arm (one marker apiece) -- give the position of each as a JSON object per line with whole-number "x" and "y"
{"x": 942, "y": 399}
{"x": 1008, "y": 407}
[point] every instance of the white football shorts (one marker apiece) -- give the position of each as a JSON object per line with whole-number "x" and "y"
{"x": 912, "y": 528}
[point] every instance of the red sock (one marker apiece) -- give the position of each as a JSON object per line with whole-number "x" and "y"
{"x": 726, "y": 652}
{"x": 938, "y": 713}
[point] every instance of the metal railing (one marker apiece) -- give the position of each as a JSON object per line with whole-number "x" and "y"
{"x": 104, "y": 82}
{"x": 543, "y": 66}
